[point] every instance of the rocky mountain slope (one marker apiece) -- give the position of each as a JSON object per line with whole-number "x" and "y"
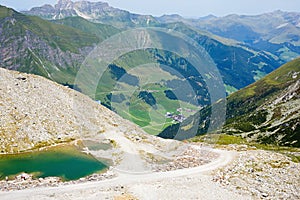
{"x": 94, "y": 11}
{"x": 261, "y": 174}
{"x": 266, "y": 111}
{"x": 36, "y": 112}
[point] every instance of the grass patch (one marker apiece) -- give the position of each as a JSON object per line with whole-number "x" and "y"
{"x": 223, "y": 139}
{"x": 220, "y": 139}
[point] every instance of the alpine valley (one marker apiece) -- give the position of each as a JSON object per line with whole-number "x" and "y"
{"x": 55, "y": 46}
{"x": 150, "y": 123}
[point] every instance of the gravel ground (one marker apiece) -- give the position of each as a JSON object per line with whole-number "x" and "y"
{"x": 261, "y": 174}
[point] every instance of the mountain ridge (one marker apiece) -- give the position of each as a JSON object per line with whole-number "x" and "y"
{"x": 272, "y": 114}
{"x": 95, "y": 11}
{"x": 53, "y": 50}
{"x": 266, "y": 111}
{"x": 277, "y": 32}
{"x": 224, "y": 60}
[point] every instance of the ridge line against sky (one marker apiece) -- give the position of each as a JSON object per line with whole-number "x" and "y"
{"x": 186, "y": 8}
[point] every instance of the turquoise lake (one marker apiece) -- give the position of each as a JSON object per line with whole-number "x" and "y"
{"x": 68, "y": 163}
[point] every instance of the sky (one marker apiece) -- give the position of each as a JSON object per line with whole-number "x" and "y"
{"x": 186, "y": 8}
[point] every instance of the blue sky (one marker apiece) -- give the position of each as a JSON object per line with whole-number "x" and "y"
{"x": 187, "y": 8}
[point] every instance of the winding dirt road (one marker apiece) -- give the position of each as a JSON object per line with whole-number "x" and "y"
{"x": 191, "y": 183}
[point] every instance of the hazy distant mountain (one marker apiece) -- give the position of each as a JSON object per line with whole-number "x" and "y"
{"x": 276, "y": 32}
{"x": 276, "y": 27}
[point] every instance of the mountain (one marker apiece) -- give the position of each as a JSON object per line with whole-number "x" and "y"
{"x": 151, "y": 102}
{"x": 266, "y": 111}
{"x": 56, "y": 51}
{"x": 37, "y": 112}
{"x": 239, "y": 64}
{"x": 94, "y": 11}
{"x": 102, "y": 31}
{"x": 276, "y": 32}
{"x": 276, "y": 27}
{"x": 231, "y": 57}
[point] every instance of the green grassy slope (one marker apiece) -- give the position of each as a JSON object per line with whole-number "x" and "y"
{"x": 66, "y": 38}
{"x": 262, "y": 91}
{"x": 53, "y": 50}
{"x": 266, "y": 111}
{"x": 102, "y": 31}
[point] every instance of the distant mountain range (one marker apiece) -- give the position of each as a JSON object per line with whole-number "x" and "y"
{"x": 276, "y": 32}
{"x": 238, "y": 64}
{"x": 276, "y": 27}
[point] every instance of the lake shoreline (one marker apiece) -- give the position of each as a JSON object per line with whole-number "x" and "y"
{"x": 69, "y": 157}
{"x": 74, "y": 143}
{"x": 52, "y": 182}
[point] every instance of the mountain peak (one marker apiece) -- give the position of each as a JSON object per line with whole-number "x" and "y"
{"x": 95, "y": 11}
{"x": 64, "y": 1}
{"x": 64, "y": 4}
{"x": 208, "y": 17}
